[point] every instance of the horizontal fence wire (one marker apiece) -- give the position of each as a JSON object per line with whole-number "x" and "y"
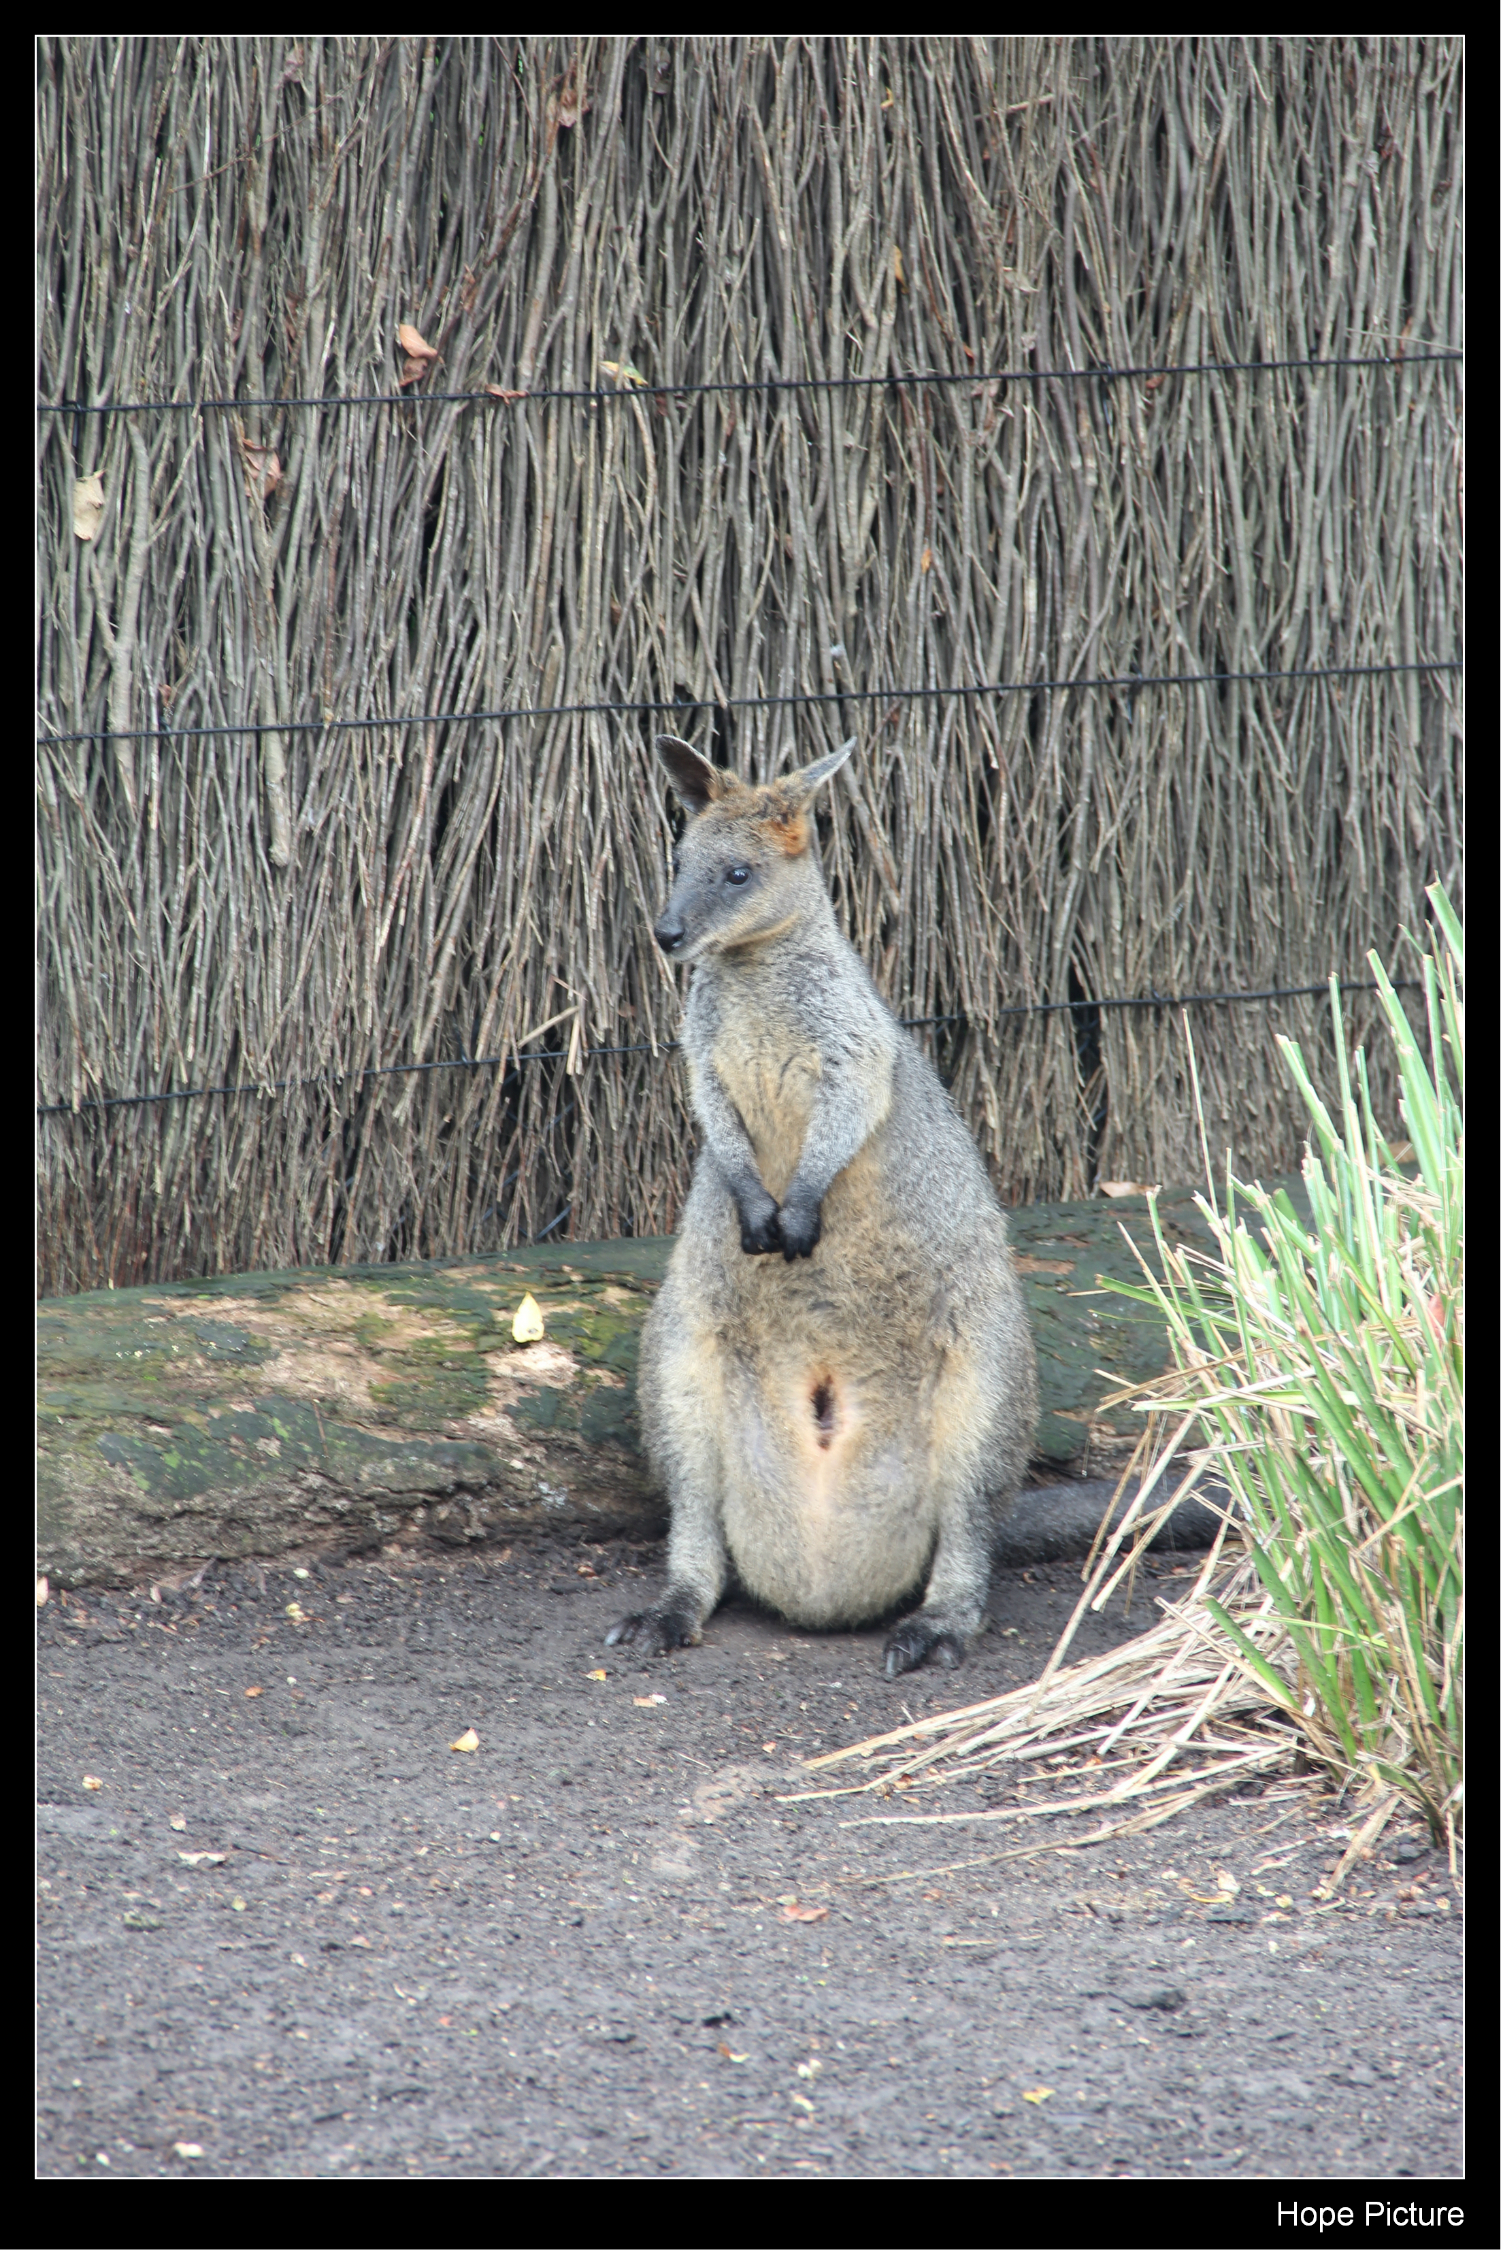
{"x": 637, "y": 387}
{"x": 670, "y": 1046}
{"x": 1125, "y": 682}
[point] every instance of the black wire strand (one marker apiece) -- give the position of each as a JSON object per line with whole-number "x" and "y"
{"x": 1129, "y": 682}
{"x": 670, "y": 1046}
{"x": 496, "y": 395}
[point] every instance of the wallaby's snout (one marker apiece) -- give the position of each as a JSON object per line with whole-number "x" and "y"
{"x": 670, "y": 930}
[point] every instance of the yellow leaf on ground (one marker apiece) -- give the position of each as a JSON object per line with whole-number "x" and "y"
{"x": 468, "y": 1740}
{"x": 92, "y": 1781}
{"x": 1037, "y": 2094}
{"x": 527, "y": 1325}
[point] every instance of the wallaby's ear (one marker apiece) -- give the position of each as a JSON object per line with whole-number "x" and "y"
{"x": 786, "y": 818}
{"x": 799, "y": 787}
{"x": 696, "y": 781}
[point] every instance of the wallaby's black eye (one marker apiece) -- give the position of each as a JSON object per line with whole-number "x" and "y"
{"x": 737, "y": 875}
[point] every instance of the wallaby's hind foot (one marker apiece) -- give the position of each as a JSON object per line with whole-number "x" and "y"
{"x": 673, "y": 1623}
{"x": 923, "y": 1639}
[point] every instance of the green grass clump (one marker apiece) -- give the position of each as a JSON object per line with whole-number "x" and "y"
{"x": 1324, "y": 1370}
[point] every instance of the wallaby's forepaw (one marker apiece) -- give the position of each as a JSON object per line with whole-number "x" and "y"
{"x": 655, "y": 1631}
{"x": 800, "y": 1226}
{"x": 919, "y": 1640}
{"x": 760, "y": 1236}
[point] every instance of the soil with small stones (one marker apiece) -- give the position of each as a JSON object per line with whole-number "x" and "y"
{"x": 286, "y": 1929}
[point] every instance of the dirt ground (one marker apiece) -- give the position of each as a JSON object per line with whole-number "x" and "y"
{"x": 287, "y": 1931}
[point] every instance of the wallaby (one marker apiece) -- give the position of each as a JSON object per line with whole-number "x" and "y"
{"x": 847, "y": 1422}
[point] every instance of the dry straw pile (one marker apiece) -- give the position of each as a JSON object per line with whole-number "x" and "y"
{"x": 330, "y": 219}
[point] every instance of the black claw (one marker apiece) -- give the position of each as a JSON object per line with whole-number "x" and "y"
{"x": 653, "y": 1631}
{"x": 916, "y": 1643}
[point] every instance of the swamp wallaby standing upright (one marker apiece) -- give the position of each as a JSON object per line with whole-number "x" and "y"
{"x": 837, "y": 1381}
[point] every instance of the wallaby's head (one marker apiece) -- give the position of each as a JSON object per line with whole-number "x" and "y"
{"x": 746, "y": 867}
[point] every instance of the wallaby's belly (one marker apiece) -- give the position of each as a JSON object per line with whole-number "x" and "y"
{"x": 826, "y": 1484}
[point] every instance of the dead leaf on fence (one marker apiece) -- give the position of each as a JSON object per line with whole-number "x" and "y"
{"x": 495, "y": 390}
{"x": 262, "y": 469}
{"x": 896, "y": 267}
{"x": 927, "y": 559}
{"x": 570, "y": 102}
{"x": 420, "y": 354}
{"x": 88, "y": 505}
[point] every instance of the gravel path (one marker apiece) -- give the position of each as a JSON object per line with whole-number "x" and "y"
{"x": 292, "y": 1932}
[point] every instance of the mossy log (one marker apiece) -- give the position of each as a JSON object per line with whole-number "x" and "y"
{"x": 267, "y": 1416}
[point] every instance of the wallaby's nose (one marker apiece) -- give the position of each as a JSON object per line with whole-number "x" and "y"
{"x": 669, "y": 934}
